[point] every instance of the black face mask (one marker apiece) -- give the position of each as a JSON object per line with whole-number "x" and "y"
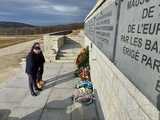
{"x": 37, "y": 48}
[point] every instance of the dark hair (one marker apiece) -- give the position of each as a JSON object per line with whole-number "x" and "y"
{"x": 34, "y": 45}
{"x": 40, "y": 56}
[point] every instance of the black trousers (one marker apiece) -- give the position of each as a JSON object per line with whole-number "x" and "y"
{"x": 39, "y": 75}
{"x": 33, "y": 81}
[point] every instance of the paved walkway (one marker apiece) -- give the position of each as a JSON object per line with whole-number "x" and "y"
{"x": 53, "y": 103}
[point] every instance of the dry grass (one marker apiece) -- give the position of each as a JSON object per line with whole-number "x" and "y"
{"x": 6, "y": 41}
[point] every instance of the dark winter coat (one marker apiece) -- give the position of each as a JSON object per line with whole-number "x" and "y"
{"x": 34, "y": 63}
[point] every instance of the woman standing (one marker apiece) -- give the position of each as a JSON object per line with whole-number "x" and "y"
{"x": 34, "y": 67}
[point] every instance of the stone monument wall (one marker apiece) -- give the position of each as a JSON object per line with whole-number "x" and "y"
{"x": 123, "y": 36}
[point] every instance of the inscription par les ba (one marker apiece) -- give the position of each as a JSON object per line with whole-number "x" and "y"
{"x": 141, "y": 42}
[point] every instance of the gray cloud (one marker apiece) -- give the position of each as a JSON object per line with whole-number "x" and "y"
{"x": 31, "y": 10}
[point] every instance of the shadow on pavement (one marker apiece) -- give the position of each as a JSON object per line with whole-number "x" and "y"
{"x": 58, "y": 80}
{"x": 68, "y": 111}
{"x": 49, "y": 113}
{"x": 4, "y": 114}
{"x": 59, "y": 108}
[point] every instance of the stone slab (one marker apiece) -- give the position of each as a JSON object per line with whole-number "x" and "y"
{"x": 60, "y": 98}
{"x": 21, "y": 113}
{"x": 137, "y": 52}
{"x": 67, "y": 84}
{"x": 53, "y": 103}
{"x": 84, "y": 112}
{"x": 101, "y": 27}
{"x": 6, "y": 109}
{"x": 51, "y": 114}
{"x": 12, "y": 94}
{"x": 18, "y": 83}
{"x": 60, "y": 81}
{"x": 38, "y": 101}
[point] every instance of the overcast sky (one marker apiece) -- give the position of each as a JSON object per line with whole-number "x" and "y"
{"x": 45, "y": 12}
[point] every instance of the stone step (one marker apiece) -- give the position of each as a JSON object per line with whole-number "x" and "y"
{"x": 65, "y": 61}
{"x": 67, "y": 55}
{"x": 70, "y": 49}
{"x": 67, "y": 58}
{"x": 72, "y": 42}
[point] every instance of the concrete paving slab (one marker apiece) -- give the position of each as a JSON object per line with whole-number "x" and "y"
{"x": 4, "y": 114}
{"x": 25, "y": 114}
{"x": 20, "y": 74}
{"x": 12, "y": 94}
{"x": 66, "y": 70}
{"x": 6, "y": 105}
{"x": 53, "y": 65}
{"x": 38, "y": 102}
{"x": 18, "y": 83}
{"x": 68, "y": 84}
{"x": 60, "y": 98}
{"x": 51, "y": 71}
{"x": 5, "y": 109}
{"x": 58, "y": 114}
{"x": 68, "y": 65}
{"x": 64, "y": 81}
{"x": 51, "y": 68}
{"x": 3, "y": 84}
{"x": 50, "y": 75}
{"x": 53, "y": 103}
{"x": 84, "y": 112}
{"x": 77, "y": 112}
{"x": 90, "y": 112}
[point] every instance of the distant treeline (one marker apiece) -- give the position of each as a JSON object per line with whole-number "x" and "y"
{"x": 31, "y": 30}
